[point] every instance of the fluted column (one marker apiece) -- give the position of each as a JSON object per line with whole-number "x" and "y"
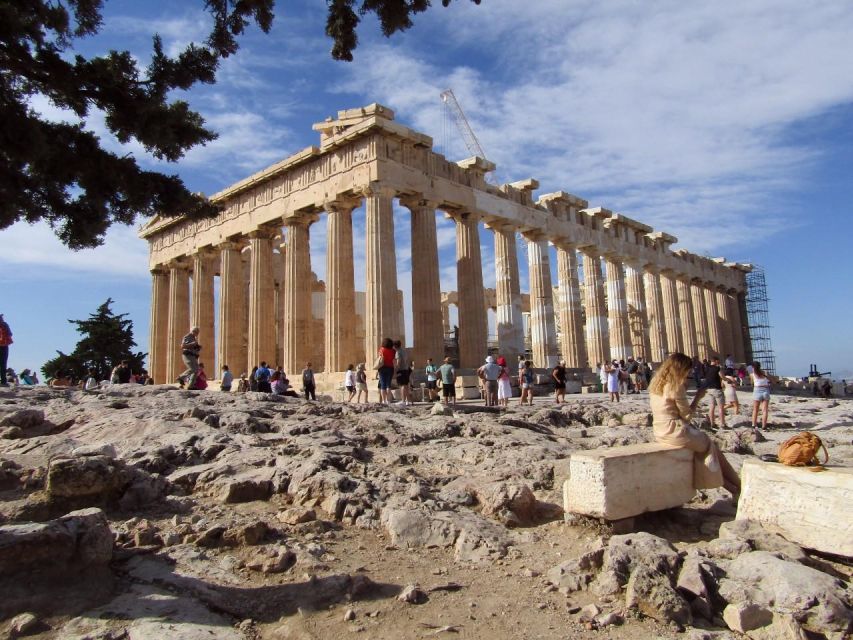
{"x": 542, "y": 327}
{"x": 672, "y": 317}
{"x": 473, "y": 322}
{"x": 297, "y": 295}
{"x": 202, "y": 308}
{"x": 510, "y": 324}
{"x": 638, "y": 318}
{"x": 381, "y": 312}
{"x": 573, "y": 346}
{"x": 597, "y": 336}
{"x": 261, "y": 298}
{"x": 700, "y": 318}
{"x": 179, "y": 316}
{"x": 340, "y": 347}
{"x": 726, "y": 342}
{"x": 736, "y": 326}
{"x": 231, "y": 304}
{"x": 427, "y": 322}
{"x": 713, "y": 319}
{"x": 158, "y": 341}
{"x": 617, "y": 309}
{"x": 658, "y": 344}
{"x": 685, "y": 312}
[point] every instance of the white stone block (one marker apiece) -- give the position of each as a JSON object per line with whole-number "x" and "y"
{"x": 467, "y": 393}
{"x": 623, "y": 482}
{"x": 813, "y": 509}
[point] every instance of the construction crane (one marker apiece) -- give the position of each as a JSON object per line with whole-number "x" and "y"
{"x": 453, "y": 107}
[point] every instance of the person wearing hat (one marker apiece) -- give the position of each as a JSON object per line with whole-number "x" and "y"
{"x": 489, "y": 374}
{"x": 5, "y": 341}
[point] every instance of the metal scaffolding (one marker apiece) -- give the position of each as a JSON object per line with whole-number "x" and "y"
{"x": 758, "y": 319}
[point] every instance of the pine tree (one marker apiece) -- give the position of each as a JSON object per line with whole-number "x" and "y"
{"x": 107, "y": 340}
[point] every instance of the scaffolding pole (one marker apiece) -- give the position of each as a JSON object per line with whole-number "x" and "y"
{"x": 758, "y": 319}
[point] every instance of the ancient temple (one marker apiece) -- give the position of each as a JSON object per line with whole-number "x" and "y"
{"x": 620, "y": 289}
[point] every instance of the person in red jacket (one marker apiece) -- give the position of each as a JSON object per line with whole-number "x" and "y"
{"x": 5, "y": 341}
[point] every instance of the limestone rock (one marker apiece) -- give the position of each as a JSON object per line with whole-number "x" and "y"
{"x": 697, "y": 584}
{"x": 23, "y": 624}
{"x": 413, "y": 594}
{"x": 746, "y": 616}
{"x": 650, "y": 592}
{"x": 23, "y": 418}
{"x": 88, "y": 476}
{"x": 297, "y": 515}
{"x": 439, "y": 409}
{"x": 627, "y": 552}
{"x": 759, "y": 538}
{"x": 104, "y": 449}
{"x": 247, "y": 535}
{"x": 511, "y": 503}
{"x": 576, "y": 574}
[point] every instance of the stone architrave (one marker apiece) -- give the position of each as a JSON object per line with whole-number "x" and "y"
{"x": 700, "y": 319}
{"x": 179, "y": 316}
{"x": 658, "y": 344}
{"x": 617, "y": 310}
{"x": 473, "y": 322}
{"x": 573, "y": 346}
{"x": 714, "y": 341}
{"x": 597, "y": 337}
{"x": 427, "y": 322}
{"x": 340, "y": 344}
{"x": 231, "y": 350}
{"x": 158, "y": 340}
{"x": 297, "y": 294}
{"x": 510, "y": 325}
{"x": 382, "y": 318}
{"x": 671, "y": 310}
{"x": 685, "y": 312}
{"x": 543, "y": 331}
{"x": 638, "y": 318}
{"x": 261, "y": 298}
{"x": 202, "y": 308}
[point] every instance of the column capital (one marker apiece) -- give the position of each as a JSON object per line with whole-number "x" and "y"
{"x": 378, "y": 189}
{"x": 181, "y": 262}
{"x": 236, "y": 243}
{"x": 204, "y": 252}
{"x": 264, "y": 232}
{"x": 159, "y": 270}
{"x": 533, "y": 235}
{"x": 300, "y": 220}
{"x": 410, "y": 201}
{"x": 652, "y": 268}
{"x": 499, "y": 225}
{"x": 459, "y": 216}
{"x": 341, "y": 203}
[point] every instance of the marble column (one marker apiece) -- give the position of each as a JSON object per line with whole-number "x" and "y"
{"x": 202, "y": 308}
{"x": 543, "y": 331}
{"x": 297, "y": 295}
{"x": 179, "y": 316}
{"x": 473, "y": 322}
{"x": 655, "y": 310}
{"x": 685, "y": 312}
{"x": 597, "y": 336}
{"x": 427, "y": 321}
{"x": 340, "y": 347}
{"x": 700, "y": 318}
{"x": 158, "y": 341}
{"x": 726, "y": 342}
{"x": 671, "y": 310}
{"x": 638, "y": 317}
{"x": 714, "y": 341}
{"x": 381, "y": 313}
{"x": 736, "y": 327}
{"x": 746, "y": 340}
{"x": 231, "y": 308}
{"x": 617, "y": 310}
{"x": 261, "y": 299}
{"x": 573, "y": 346}
{"x": 510, "y": 325}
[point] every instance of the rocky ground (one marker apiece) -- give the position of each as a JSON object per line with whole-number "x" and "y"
{"x": 152, "y": 512}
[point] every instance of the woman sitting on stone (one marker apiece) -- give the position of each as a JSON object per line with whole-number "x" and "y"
{"x": 671, "y": 412}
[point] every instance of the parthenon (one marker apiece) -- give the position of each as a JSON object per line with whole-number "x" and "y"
{"x": 620, "y": 291}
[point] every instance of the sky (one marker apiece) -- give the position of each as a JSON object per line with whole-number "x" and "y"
{"x": 726, "y": 124}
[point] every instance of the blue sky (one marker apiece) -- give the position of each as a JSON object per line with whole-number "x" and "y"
{"x": 728, "y": 125}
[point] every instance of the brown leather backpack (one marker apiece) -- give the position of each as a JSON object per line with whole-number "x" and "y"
{"x": 801, "y": 451}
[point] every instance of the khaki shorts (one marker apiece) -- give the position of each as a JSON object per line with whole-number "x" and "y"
{"x": 715, "y": 397}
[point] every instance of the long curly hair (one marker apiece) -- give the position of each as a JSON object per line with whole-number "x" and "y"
{"x": 671, "y": 373}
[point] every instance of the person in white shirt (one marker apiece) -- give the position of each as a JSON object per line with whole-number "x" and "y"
{"x": 227, "y": 379}
{"x": 349, "y": 382}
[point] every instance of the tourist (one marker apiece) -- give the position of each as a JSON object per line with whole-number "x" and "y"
{"x": 121, "y": 373}
{"x": 714, "y": 391}
{"x": 602, "y": 375}
{"x": 227, "y": 379}
{"x": 525, "y": 381}
{"x": 200, "y": 379}
{"x": 349, "y": 382}
{"x": 308, "y": 383}
{"x": 741, "y": 375}
{"x": 613, "y": 373}
{"x": 253, "y": 381}
{"x": 5, "y": 341}
{"x": 431, "y": 372}
{"x": 642, "y": 375}
{"x": 91, "y": 380}
{"x": 143, "y": 377}
{"x": 27, "y": 378}
{"x": 190, "y": 348}
{"x": 730, "y": 390}
{"x": 448, "y": 381}
{"x": 623, "y": 378}
{"x": 361, "y": 382}
{"x": 760, "y": 395}
{"x": 504, "y": 383}
{"x": 262, "y": 376}
{"x": 558, "y": 373}
{"x": 404, "y": 372}
{"x": 729, "y": 362}
{"x": 243, "y": 384}
{"x": 671, "y": 413}
{"x": 277, "y": 384}
{"x": 698, "y": 374}
{"x": 60, "y": 380}
{"x": 489, "y": 374}
{"x": 520, "y": 364}
{"x": 633, "y": 369}
{"x": 385, "y": 369}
